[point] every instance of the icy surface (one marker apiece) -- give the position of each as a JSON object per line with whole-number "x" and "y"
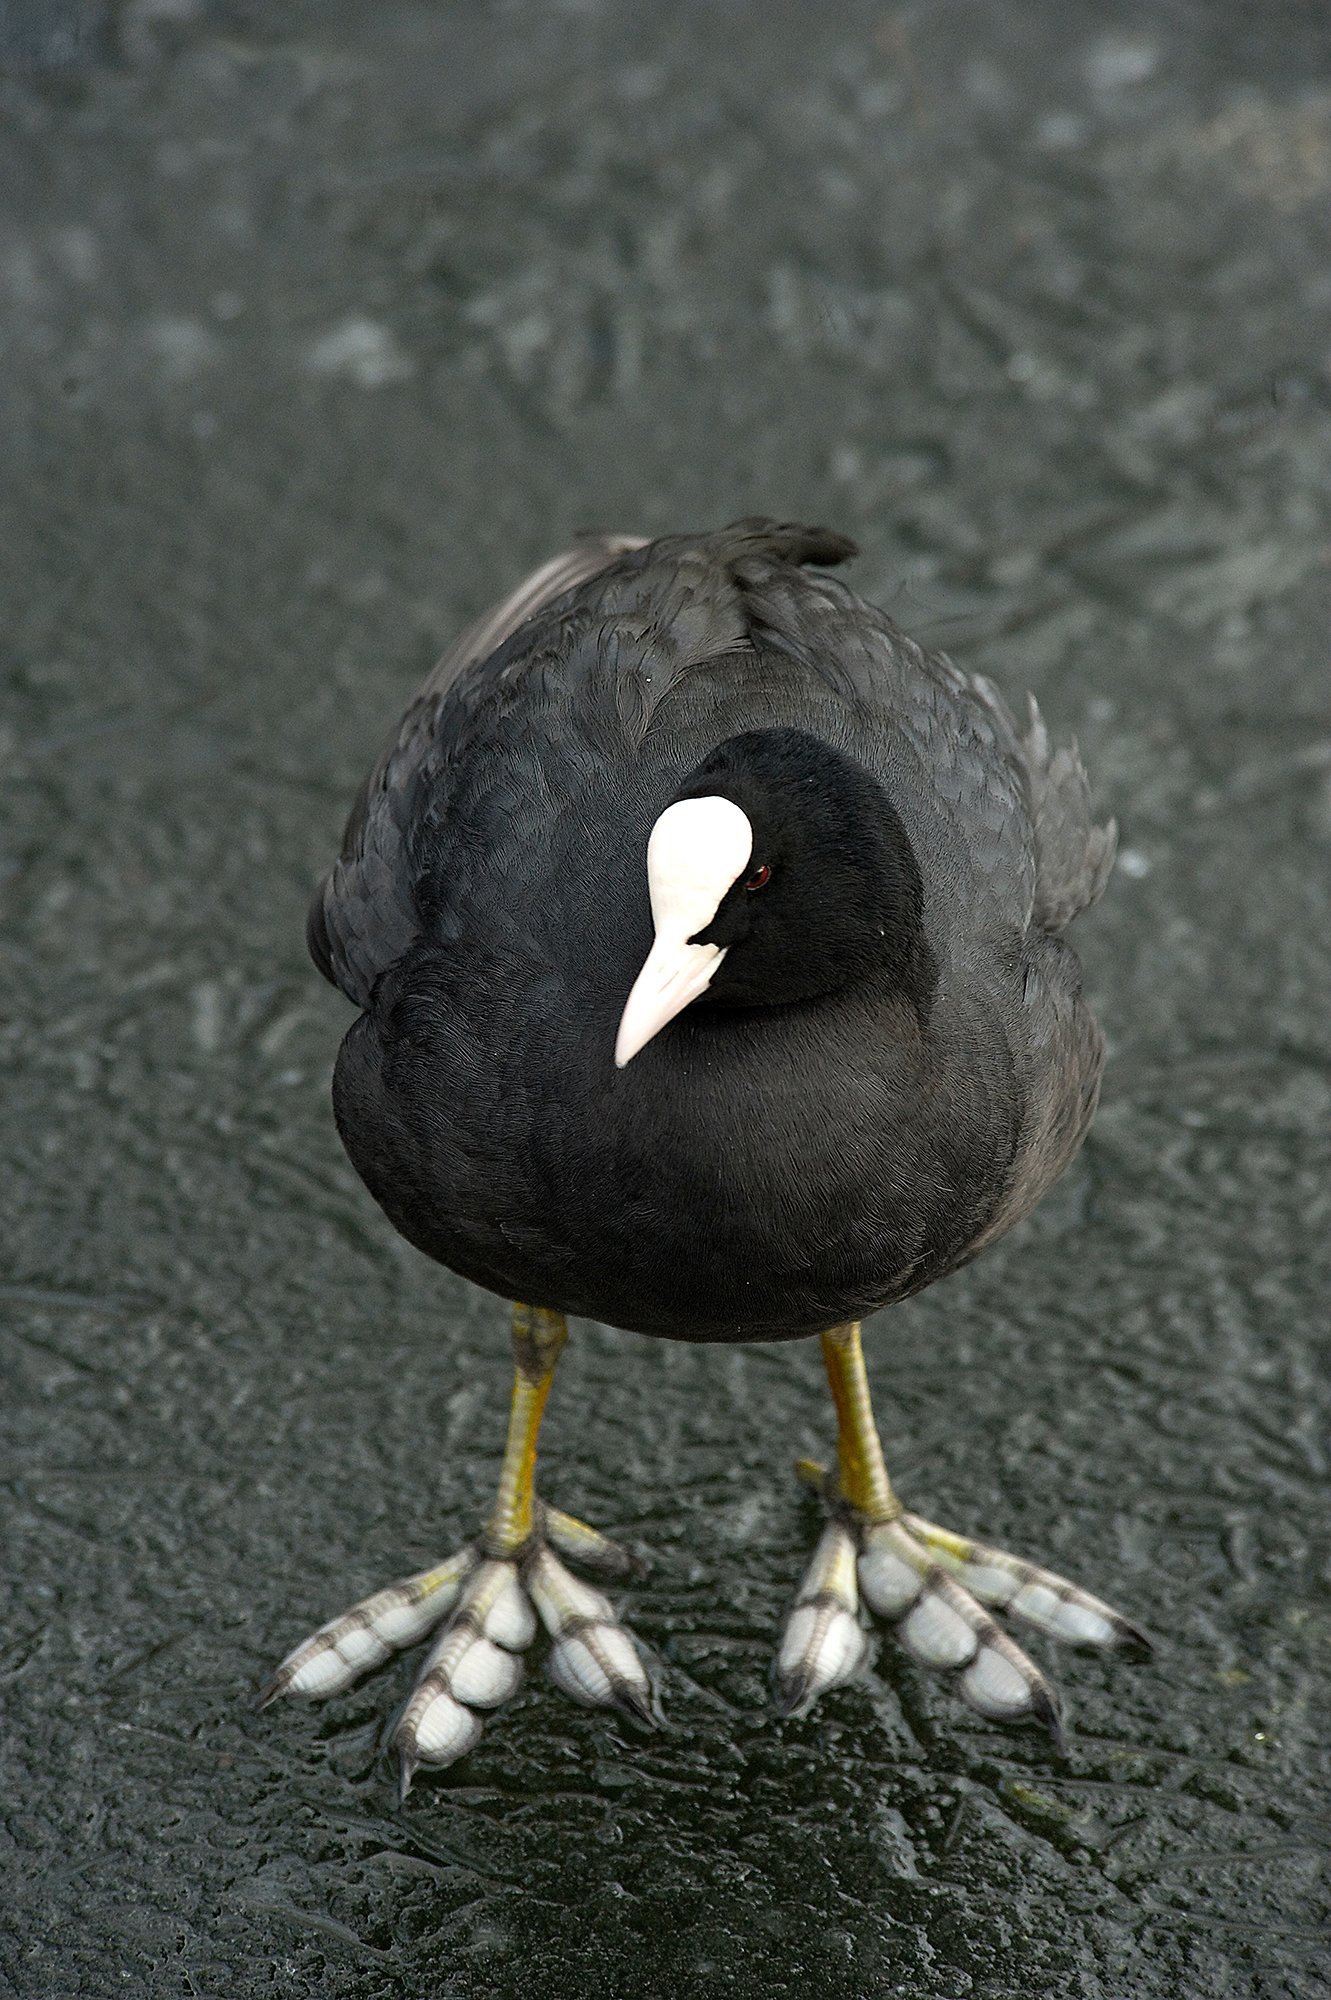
{"x": 321, "y": 324}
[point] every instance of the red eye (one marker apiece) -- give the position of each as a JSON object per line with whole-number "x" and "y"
{"x": 760, "y": 878}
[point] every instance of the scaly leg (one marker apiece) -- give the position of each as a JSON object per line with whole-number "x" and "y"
{"x": 487, "y": 1599}
{"x": 930, "y": 1584}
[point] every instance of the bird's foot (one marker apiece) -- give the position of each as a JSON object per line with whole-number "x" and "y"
{"x": 487, "y": 1605}
{"x": 937, "y": 1590}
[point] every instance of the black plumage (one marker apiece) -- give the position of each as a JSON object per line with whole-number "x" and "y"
{"x": 895, "y": 1061}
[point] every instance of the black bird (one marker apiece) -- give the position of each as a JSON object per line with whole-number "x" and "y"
{"x": 707, "y": 939}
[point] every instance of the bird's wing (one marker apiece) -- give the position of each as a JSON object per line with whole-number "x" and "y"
{"x": 363, "y": 914}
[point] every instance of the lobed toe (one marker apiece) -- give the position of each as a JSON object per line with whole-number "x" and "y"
{"x": 823, "y": 1647}
{"x": 485, "y": 1674}
{"x": 1039, "y": 1597}
{"x": 334, "y": 1658}
{"x": 1057, "y": 1607}
{"x": 598, "y": 1665}
{"x": 942, "y": 1629}
{"x": 581, "y": 1543}
{"x": 892, "y": 1569}
{"x": 560, "y": 1597}
{"x": 592, "y": 1656}
{"x": 436, "y": 1729}
{"x": 1002, "y": 1685}
{"x": 510, "y": 1619}
{"x": 823, "y": 1643}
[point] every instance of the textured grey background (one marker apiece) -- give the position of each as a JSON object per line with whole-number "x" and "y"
{"x": 321, "y": 322}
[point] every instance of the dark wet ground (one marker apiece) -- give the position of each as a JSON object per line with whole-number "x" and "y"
{"x": 321, "y": 322}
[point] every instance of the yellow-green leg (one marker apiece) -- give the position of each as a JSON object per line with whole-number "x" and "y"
{"x": 539, "y": 1338}
{"x": 861, "y": 1474}
{"x": 488, "y": 1598}
{"x": 932, "y": 1585}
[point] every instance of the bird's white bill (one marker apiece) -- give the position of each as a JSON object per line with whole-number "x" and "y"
{"x": 675, "y": 973}
{"x": 696, "y": 852}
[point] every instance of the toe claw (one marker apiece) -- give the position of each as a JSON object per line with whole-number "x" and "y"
{"x": 1129, "y": 1638}
{"x": 1044, "y": 1709}
{"x": 794, "y": 1693}
{"x": 275, "y": 1685}
{"x": 639, "y": 1705}
{"x": 407, "y": 1769}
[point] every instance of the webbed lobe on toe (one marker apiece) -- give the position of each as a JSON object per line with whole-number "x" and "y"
{"x": 592, "y": 1656}
{"x": 823, "y": 1644}
{"x": 334, "y": 1658}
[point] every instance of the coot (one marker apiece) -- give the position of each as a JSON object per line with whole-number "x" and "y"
{"x": 707, "y": 939}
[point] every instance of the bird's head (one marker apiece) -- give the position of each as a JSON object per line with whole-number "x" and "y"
{"x": 779, "y": 873}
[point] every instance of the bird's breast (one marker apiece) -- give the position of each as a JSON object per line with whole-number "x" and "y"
{"x": 752, "y": 1175}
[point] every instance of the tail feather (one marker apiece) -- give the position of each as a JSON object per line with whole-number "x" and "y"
{"x": 1073, "y": 857}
